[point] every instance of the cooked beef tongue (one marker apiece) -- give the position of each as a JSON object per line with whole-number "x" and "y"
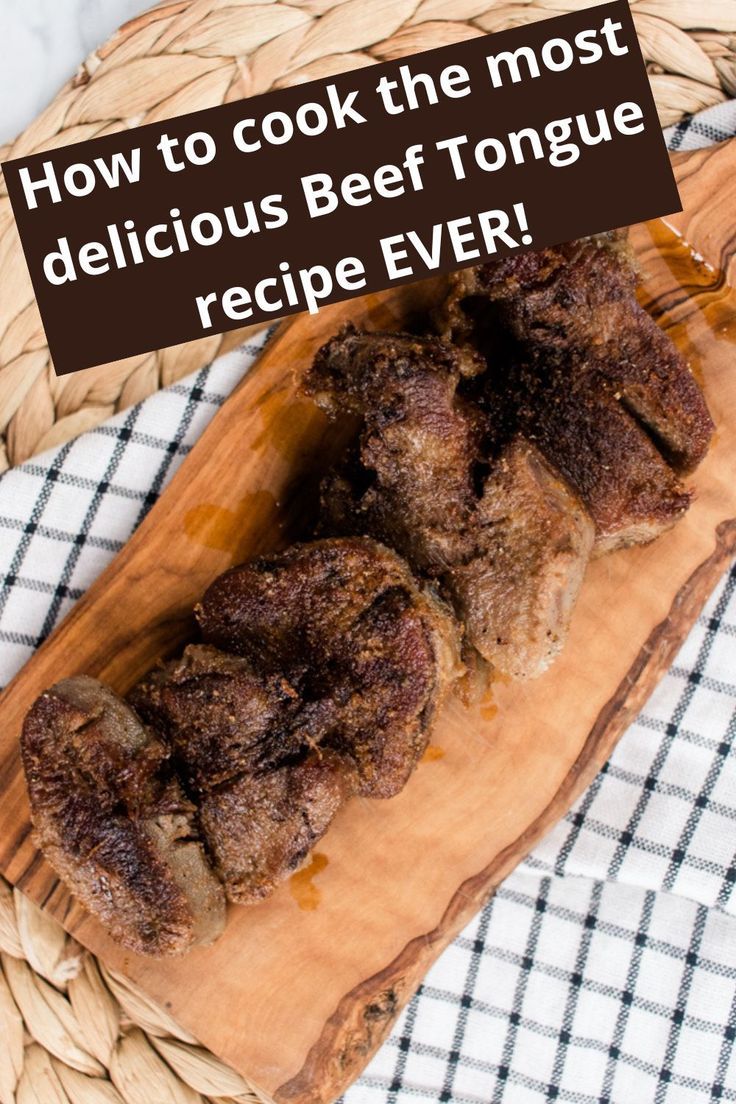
{"x": 114, "y": 823}
{"x": 343, "y": 621}
{"x": 220, "y": 716}
{"x": 265, "y": 795}
{"x": 629, "y": 489}
{"x": 420, "y": 442}
{"x": 575, "y": 305}
{"x": 501, "y": 532}
{"x": 262, "y": 825}
{"x": 517, "y": 596}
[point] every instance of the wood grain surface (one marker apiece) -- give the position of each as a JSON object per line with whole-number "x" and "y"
{"x": 302, "y": 989}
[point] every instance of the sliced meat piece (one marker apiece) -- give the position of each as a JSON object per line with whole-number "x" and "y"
{"x": 430, "y": 476}
{"x": 262, "y": 826}
{"x": 220, "y": 716}
{"x": 569, "y": 296}
{"x": 575, "y": 304}
{"x": 264, "y": 794}
{"x": 344, "y": 621}
{"x": 114, "y": 823}
{"x": 420, "y": 441}
{"x": 516, "y": 598}
{"x": 632, "y": 494}
{"x": 649, "y": 374}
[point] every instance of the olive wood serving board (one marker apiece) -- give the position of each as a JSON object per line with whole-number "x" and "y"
{"x": 302, "y": 988}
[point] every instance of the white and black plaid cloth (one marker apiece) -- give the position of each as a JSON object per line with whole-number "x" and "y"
{"x": 604, "y": 969}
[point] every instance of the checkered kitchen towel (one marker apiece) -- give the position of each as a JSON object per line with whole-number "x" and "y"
{"x": 604, "y": 970}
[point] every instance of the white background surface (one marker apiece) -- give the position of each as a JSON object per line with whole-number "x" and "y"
{"x": 42, "y": 43}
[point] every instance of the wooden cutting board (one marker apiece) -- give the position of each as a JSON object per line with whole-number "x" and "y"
{"x": 302, "y": 989}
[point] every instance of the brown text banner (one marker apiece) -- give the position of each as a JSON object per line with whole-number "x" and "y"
{"x": 269, "y": 206}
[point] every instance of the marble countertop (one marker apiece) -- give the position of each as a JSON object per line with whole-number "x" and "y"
{"x": 42, "y": 42}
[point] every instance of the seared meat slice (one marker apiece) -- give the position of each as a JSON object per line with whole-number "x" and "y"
{"x": 568, "y": 296}
{"x": 575, "y": 305}
{"x": 114, "y": 823}
{"x": 517, "y": 598}
{"x": 427, "y": 477}
{"x": 420, "y": 442}
{"x": 344, "y": 621}
{"x": 340, "y": 666}
{"x": 220, "y": 716}
{"x": 261, "y": 826}
{"x": 631, "y": 492}
{"x": 264, "y": 794}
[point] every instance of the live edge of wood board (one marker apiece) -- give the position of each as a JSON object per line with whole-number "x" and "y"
{"x": 302, "y": 989}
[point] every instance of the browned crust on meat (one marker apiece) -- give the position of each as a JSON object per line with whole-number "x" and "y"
{"x": 343, "y": 621}
{"x": 114, "y": 823}
{"x": 219, "y": 715}
{"x": 430, "y": 476}
{"x": 631, "y": 492}
{"x": 264, "y": 794}
{"x": 419, "y": 443}
{"x": 261, "y": 827}
{"x": 517, "y": 599}
{"x": 575, "y": 305}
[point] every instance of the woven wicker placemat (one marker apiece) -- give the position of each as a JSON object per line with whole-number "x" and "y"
{"x": 190, "y": 54}
{"x": 70, "y": 1031}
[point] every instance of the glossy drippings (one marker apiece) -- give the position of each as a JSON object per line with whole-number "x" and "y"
{"x": 306, "y": 894}
{"x": 224, "y": 530}
{"x": 488, "y": 709}
{"x": 686, "y": 293}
